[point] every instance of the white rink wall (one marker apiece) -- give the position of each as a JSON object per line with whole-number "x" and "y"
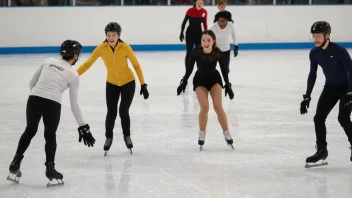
{"x": 160, "y": 25}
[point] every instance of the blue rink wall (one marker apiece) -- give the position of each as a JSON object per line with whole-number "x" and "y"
{"x": 257, "y": 27}
{"x": 167, "y": 47}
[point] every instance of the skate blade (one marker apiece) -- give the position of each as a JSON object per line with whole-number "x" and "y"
{"x": 312, "y": 165}
{"x": 14, "y": 180}
{"x": 200, "y": 147}
{"x": 231, "y": 146}
{"x": 130, "y": 151}
{"x": 15, "y": 176}
{"x": 106, "y": 152}
{"x": 60, "y": 183}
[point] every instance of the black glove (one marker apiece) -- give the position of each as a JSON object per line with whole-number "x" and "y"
{"x": 305, "y": 104}
{"x": 144, "y": 91}
{"x": 235, "y": 50}
{"x": 84, "y": 133}
{"x": 182, "y": 86}
{"x": 228, "y": 90}
{"x": 348, "y": 102}
{"x": 182, "y": 36}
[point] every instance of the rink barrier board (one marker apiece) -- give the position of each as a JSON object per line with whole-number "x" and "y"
{"x": 167, "y": 47}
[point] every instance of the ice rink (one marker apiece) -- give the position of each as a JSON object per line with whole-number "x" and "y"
{"x": 271, "y": 138}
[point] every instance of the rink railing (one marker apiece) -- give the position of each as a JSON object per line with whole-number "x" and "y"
{"x": 213, "y": 3}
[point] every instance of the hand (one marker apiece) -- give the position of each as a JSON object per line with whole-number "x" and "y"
{"x": 182, "y": 37}
{"x": 84, "y": 133}
{"x": 348, "y": 100}
{"x": 228, "y": 90}
{"x": 144, "y": 91}
{"x": 182, "y": 86}
{"x": 305, "y": 104}
{"x": 235, "y": 51}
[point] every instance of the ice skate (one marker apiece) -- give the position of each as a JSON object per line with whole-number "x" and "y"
{"x": 107, "y": 145}
{"x": 15, "y": 172}
{"x": 128, "y": 143}
{"x": 228, "y": 139}
{"x": 201, "y": 140}
{"x": 320, "y": 155}
{"x": 51, "y": 174}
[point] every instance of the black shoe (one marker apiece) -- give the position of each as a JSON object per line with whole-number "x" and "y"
{"x": 16, "y": 164}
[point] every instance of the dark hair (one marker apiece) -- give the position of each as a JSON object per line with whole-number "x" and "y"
{"x": 211, "y": 34}
{"x": 67, "y": 58}
{"x": 224, "y": 14}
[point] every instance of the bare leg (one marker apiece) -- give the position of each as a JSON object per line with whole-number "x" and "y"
{"x": 202, "y": 96}
{"x": 216, "y": 94}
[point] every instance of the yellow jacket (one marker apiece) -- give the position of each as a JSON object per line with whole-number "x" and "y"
{"x": 118, "y": 72}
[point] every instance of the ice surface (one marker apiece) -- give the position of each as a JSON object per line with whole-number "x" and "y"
{"x": 271, "y": 138}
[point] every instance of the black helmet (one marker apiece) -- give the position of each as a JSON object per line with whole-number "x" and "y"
{"x": 69, "y": 48}
{"x": 322, "y": 27}
{"x": 113, "y": 27}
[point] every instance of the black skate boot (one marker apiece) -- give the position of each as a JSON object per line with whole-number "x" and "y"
{"x": 228, "y": 139}
{"x": 14, "y": 168}
{"x": 128, "y": 143}
{"x": 201, "y": 140}
{"x": 321, "y": 154}
{"x": 107, "y": 145}
{"x": 51, "y": 174}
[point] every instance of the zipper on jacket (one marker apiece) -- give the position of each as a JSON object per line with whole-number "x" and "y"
{"x": 113, "y": 56}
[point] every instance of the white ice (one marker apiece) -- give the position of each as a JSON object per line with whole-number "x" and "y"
{"x": 271, "y": 138}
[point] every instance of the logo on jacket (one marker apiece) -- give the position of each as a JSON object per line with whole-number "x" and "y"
{"x": 203, "y": 14}
{"x": 57, "y": 67}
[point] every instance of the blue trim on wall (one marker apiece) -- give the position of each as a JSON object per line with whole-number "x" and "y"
{"x": 167, "y": 47}
{"x": 176, "y": 5}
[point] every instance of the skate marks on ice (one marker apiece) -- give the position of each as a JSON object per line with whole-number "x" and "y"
{"x": 272, "y": 140}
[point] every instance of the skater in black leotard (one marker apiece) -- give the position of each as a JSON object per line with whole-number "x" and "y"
{"x": 196, "y": 15}
{"x": 208, "y": 80}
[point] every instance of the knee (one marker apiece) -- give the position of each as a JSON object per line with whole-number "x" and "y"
{"x": 343, "y": 120}
{"x": 30, "y": 131}
{"x": 318, "y": 118}
{"x": 112, "y": 113}
{"x": 204, "y": 109}
{"x": 218, "y": 109}
{"x": 123, "y": 113}
{"x": 49, "y": 136}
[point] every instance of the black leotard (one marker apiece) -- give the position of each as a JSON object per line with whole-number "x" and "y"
{"x": 206, "y": 75}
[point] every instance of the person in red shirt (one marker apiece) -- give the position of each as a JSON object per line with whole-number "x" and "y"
{"x": 195, "y": 15}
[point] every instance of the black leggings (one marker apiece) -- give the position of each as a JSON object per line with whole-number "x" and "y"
{"x": 227, "y": 55}
{"x": 113, "y": 93}
{"x": 193, "y": 39}
{"x": 51, "y": 111}
{"x": 328, "y": 99}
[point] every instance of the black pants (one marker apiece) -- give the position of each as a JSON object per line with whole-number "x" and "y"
{"x": 193, "y": 39}
{"x": 328, "y": 99}
{"x": 227, "y": 55}
{"x": 51, "y": 111}
{"x": 113, "y": 93}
